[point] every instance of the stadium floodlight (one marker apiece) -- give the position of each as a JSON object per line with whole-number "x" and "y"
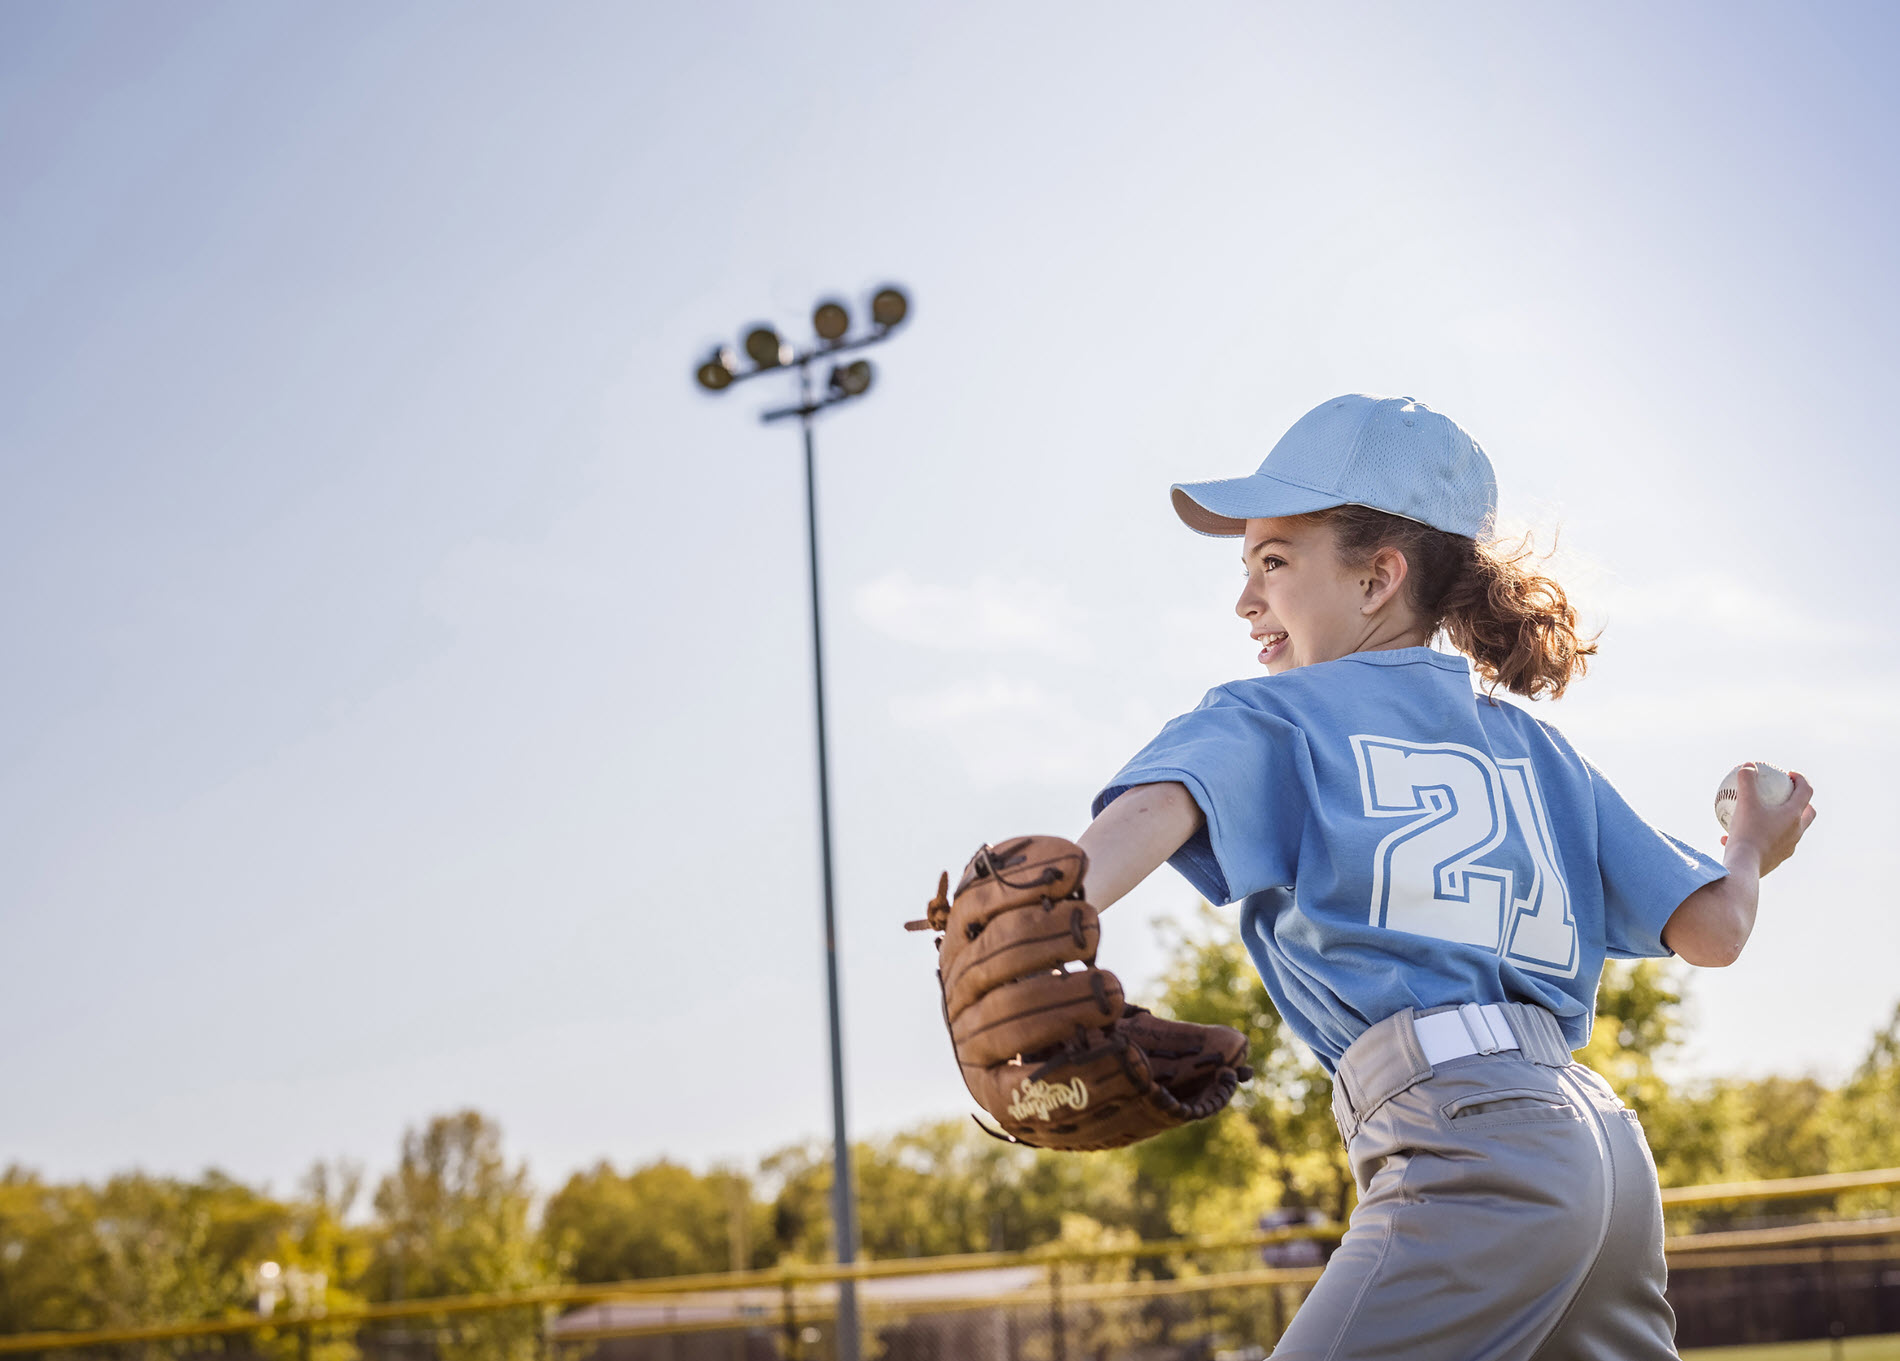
{"x": 889, "y": 307}
{"x": 853, "y": 379}
{"x": 715, "y": 375}
{"x": 832, "y": 323}
{"x": 764, "y": 347}
{"x": 830, "y": 320}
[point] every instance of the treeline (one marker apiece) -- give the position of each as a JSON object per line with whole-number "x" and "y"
{"x": 456, "y": 1217}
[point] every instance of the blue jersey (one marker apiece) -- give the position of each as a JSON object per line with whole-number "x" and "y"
{"x": 1402, "y": 841}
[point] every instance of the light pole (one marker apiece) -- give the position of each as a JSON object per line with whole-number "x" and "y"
{"x": 832, "y": 323}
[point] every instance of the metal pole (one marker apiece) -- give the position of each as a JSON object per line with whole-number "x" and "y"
{"x": 1059, "y": 1336}
{"x": 844, "y": 1206}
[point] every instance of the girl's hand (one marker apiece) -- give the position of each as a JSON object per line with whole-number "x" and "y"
{"x": 1770, "y": 831}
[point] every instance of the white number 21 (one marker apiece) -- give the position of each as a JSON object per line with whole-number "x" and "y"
{"x": 1429, "y": 875}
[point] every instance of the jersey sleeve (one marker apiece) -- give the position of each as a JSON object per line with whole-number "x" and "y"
{"x": 1646, "y": 874}
{"x": 1250, "y": 772}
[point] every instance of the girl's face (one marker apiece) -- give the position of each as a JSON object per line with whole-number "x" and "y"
{"x": 1303, "y": 605}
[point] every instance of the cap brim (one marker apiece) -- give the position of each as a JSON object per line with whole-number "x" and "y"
{"x": 1221, "y": 509}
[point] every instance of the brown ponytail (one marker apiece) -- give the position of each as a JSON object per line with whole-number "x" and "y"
{"x": 1517, "y": 626}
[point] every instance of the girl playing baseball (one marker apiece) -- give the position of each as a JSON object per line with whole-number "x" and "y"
{"x": 1432, "y": 880}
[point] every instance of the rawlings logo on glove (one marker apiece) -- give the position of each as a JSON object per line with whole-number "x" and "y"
{"x": 1038, "y": 1099}
{"x": 1039, "y": 1030}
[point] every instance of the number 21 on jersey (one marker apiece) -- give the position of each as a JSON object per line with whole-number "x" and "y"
{"x": 1429, "y": 875}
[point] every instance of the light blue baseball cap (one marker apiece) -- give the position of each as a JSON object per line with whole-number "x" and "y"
{"x": 1389, "y": 453}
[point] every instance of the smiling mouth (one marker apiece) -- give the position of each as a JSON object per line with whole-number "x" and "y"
{"x": 1270, "y": 645}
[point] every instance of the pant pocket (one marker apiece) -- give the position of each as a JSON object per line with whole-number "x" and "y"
{"x": 1500, "y": 1105}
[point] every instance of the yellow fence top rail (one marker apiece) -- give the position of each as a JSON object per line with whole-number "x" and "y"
{"x": 1827, "y": 1231}
{"x": 1787, "y": 1188}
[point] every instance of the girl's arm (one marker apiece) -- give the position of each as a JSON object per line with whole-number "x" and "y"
{"x": 1134, "y": 836}
{"x": 1714, "y": 922}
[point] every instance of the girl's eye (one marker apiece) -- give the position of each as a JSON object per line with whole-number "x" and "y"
{"x": 1268, "y": 563}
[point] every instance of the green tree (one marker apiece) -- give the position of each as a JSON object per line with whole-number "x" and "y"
{"x": 1639, "y": 1021}
{"x": 801, "y": 1201}
{"x": 43, "y": 1242}
{"x": 320, "y": 1260}
{"x": 949, "y": 1187}
{"x": 454, "y": 1218}
{"x": 1866, "y": 1119}
{"x": 662, "y": 1219}
{"x": 136, "y": 1250}
{"x": 934, "y": 1190}
{"x": 140, "y": 1250}
{"x": 1277, "y": 1143}
{"x": 1639, "y": 1025}
{"x": 944, "y": 1187}
{"x": 1869, "y": 1111}
{"x": 1782, "y": 1127}
{"x": 1724, "y": 1129}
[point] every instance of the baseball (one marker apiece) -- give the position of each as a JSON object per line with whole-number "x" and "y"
{"x": 1772, "y": 782}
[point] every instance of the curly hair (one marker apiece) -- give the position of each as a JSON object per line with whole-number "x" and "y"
{"x": 1517, "y": 625}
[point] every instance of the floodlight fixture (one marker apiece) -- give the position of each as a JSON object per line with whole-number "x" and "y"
{"x": 889, "y": 307}
{"x": 715, "y": 375}
{"x": 830, "y": 320}
{"x": 853, "y": 379}
{"x": 764, "y": 347}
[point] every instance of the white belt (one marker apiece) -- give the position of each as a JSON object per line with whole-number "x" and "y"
{"x": 1472, "y": 1029}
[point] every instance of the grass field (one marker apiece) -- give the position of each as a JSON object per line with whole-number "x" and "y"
{"x": 1885, "y": 1348}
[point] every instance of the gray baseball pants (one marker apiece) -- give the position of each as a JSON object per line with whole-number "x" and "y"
{"x": 1508, "y": 1209}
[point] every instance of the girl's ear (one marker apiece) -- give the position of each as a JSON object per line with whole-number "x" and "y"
{"x": 1382, "y": 579}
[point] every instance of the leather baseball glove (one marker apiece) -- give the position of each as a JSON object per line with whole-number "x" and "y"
{"x": 1045, "y": 1040}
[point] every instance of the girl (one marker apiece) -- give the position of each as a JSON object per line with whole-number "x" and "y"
{"x": 1432, "y": 880}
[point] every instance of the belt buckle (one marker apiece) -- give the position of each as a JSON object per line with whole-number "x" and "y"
{"x": 1478, "y": 1026}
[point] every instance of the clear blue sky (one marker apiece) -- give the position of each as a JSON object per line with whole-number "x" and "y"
{"x": 406, "y": 698}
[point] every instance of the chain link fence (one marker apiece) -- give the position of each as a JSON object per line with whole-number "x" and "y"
{"x": 1205, "y": 1300}
{"x": 1072, "y": 1312}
